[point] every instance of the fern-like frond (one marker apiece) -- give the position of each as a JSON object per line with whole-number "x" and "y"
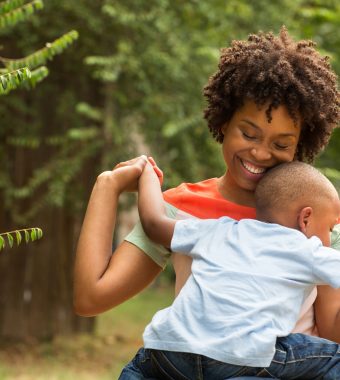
{"x": 27, "y": 234}
{"x": 15, "y": 15}
{"x": 8, "y": 5}
{"x": 37, "y": 75}
{"x": 41, "y": 56}
{"x": 13, "y": 80}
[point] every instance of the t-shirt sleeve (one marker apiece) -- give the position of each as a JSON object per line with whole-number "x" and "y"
{"x": 188, "y": 232}
{"x": 156, "y": 252}
{"x": 326, "y": 266}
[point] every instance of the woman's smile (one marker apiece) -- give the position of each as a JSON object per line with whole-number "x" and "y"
{"x": 251, "y": 168}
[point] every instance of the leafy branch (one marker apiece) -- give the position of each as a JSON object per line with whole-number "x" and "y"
{"x": 8, "y": 5}
{"x": 41, "y": 56}
{"x": 26, "y": 234}
{"x": 12, "y": 11}
{"x": 13, "y": 80}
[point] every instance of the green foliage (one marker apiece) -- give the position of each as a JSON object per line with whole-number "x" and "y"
{"x": 28, "y": 234}
{"x": 13, "y": 80}
{"x": 9, "y": 5}
{"x": 333, "y": 175}
{"x": 16, "y": 74}
{"x": 12, "y": 11}
{"x": 41, "y": 56}
{"x": 37, "y": 75}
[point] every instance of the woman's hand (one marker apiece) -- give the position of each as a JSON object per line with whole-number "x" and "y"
{"x": 125, "y": 174}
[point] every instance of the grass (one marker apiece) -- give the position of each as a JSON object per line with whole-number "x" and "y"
{"x": 83, "y": 357}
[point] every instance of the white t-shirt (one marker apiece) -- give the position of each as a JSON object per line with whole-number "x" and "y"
{"x": 249, "y": 280}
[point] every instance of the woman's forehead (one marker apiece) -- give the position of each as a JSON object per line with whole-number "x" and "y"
{"x": 257, "y": 116}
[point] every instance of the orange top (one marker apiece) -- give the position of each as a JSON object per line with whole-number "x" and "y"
{"x": 204, "y": 201}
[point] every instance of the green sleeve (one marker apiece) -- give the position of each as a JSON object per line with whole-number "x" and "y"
{"x": 335, "y": 237}
{"x": 156, "y": 252}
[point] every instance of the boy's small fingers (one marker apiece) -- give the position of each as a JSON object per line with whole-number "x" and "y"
{"x": 159, "y": 174}
{"x": 152, "y": 161}
{"x": 158, "y": 171}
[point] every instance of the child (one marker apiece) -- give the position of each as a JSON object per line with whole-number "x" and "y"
{"x": 249, "y": 280}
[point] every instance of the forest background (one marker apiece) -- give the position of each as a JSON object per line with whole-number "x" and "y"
{"x": 131, "y": 84}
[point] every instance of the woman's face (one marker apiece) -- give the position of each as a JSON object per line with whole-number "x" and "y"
{"x": 252, "y": 145}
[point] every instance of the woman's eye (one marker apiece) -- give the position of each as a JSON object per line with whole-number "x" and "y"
{"x": 248, "y": 137}
{"x": 281, "y": 146}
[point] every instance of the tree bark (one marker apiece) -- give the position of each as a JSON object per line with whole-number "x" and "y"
{"x": 36, "y": 284}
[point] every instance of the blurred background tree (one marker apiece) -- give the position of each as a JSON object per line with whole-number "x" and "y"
{"x": 132, "y": 85}
{"x": 22, "y": 72}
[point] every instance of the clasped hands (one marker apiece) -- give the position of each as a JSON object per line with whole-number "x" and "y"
{"x": 126, "y": 174}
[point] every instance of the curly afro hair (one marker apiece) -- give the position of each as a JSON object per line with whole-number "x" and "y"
{"x": 278, "y": 71}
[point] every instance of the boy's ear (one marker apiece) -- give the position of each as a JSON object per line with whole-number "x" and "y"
{"x": 304, "y": 218}
{"x": 224, "y": 128}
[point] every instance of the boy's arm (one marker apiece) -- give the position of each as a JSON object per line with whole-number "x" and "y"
{"x": 156, "y": 224}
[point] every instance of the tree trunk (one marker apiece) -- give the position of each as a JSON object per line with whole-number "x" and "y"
{"x": 36, "y": 284}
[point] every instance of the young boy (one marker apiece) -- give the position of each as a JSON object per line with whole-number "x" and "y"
{"x": 249, "y": 279}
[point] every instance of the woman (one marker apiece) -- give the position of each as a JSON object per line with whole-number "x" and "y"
{"x": 272, "y": 100}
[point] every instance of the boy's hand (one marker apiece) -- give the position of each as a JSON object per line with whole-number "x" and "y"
{"x": 157, "y": 170}
{"x": 125, "y": 175}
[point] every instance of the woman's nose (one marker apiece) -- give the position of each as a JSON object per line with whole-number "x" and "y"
{"x": 261, "y": 153}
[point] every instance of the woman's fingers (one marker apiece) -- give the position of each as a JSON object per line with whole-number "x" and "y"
{"x": 130, "y": 162}
{"x": 139, "y": 163}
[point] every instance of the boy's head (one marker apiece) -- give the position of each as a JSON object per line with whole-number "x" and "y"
{"x": 276, "y": 70}
{"x": 297, "y": 195}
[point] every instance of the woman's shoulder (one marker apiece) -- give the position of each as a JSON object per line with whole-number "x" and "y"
{"x": 203, "y": 200}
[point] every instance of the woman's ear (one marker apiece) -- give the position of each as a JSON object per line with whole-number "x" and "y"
{"x": 304, "y": 219}
{"x": 224, "y": 128}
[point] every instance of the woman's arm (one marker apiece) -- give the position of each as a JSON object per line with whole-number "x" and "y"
{"x": 103, "y": 280}
{"x": 156, "y": 224}
{"x": 327, "y": 313}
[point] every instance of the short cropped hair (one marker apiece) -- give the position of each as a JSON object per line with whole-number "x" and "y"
{"x": 291, "y": 182}
{"x": 278, "y": 70}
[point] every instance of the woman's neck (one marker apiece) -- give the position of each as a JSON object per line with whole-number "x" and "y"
{"x": 233, "y": 193}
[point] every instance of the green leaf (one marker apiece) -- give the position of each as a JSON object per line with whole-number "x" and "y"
{"x": 10, "y": 239}
{"x": 27, "y": 236}
{"x": 2, "y": 243}
{"x": 39, "y": 233}
{"x": 19, "y": 237}
{"x": 33, "y": 234}
{"x": 3, "y": 82}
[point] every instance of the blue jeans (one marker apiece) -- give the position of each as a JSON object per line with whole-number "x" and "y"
{"x": 297, "y": 356}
